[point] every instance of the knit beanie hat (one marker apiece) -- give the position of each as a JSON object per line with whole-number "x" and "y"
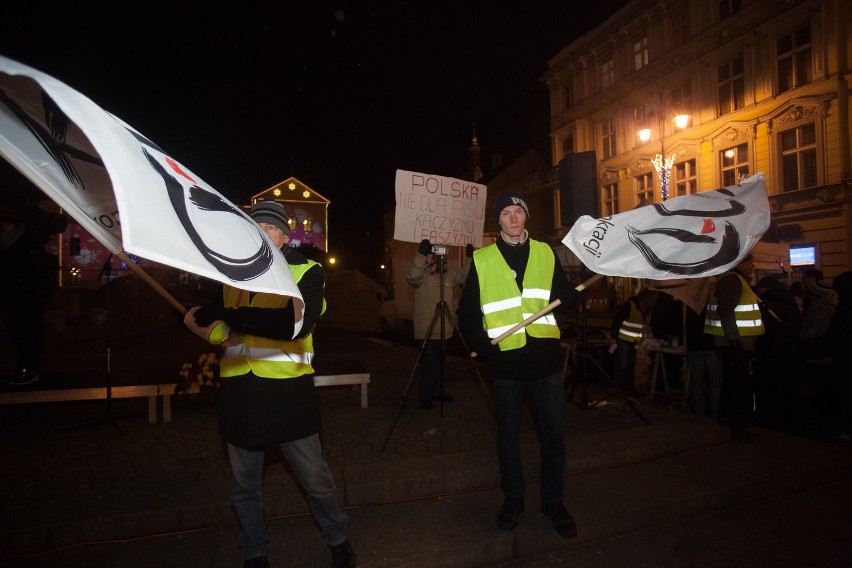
{"x": 506, "y": 199}
{"x": 271, "y": 212}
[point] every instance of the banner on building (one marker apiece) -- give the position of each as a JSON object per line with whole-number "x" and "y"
{"x": 125, "y": 190}
{"x": 441, "y": 209}
{"x": 692, "y": 236}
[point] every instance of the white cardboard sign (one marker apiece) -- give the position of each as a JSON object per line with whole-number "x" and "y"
{"x": 444, "y": 210}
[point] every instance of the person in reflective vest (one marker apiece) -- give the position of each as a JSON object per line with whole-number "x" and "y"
{"x": 734, "y": 321}
{"x": 509, "y": 281}
{"x": 267, "y": 393}
{"x": 631, "y": 324}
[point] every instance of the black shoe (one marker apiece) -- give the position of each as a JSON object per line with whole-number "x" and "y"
{"x": 24, "y": 378}
{"x": 342, "y": 555}
{"x": 509, "y": 515}
{"x": 443, "y": 398}
{"x": 256, "y": 562}
{"x": 562, "y": 521}
{"x": 426, "y": 403}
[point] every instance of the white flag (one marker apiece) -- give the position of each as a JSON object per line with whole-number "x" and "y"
{"x": 126, "y": 191}
{"x": 692, "y": 236}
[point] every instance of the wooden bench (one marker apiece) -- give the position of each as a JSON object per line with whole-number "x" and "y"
{"x": 165, "y": 390}
{"x": 362, "y": 379}
{"x": 61, "y": 395}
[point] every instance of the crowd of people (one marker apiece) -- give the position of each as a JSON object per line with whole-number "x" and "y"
{"x": 772, "y": 354}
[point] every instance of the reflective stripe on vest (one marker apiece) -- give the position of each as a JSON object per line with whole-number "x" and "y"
{"x": 746, "y": 313}
{"x": 504, "y": 306}
{"x": 268, "y": 358}
{"x": 633, "y": 328}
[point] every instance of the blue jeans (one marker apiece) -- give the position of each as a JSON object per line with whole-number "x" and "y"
{"x": 306, "y": 461}
{"x": 549, "y": 397}
{"x": 430, "y": 369}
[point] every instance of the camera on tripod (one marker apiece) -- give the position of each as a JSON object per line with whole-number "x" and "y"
{"x": 440, "y": 250}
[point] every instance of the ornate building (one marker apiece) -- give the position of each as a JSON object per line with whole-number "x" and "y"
{"x": 307, "y": 209}
{"x": 755, "y": 85}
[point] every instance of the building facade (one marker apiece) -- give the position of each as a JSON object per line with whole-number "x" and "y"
{"x": 757, "y": 86}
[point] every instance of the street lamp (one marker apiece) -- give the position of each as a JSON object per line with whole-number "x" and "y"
{"x": 661, "y": 163}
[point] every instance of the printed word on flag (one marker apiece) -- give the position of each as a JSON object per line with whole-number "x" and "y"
{"x": 441, "y": 209}
{"x": 128, "y": 192}
{"x": 692, "y": 236}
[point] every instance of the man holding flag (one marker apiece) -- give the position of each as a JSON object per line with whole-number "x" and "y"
{"x": 508, "y": 281}
{"x": 267, "y": 394}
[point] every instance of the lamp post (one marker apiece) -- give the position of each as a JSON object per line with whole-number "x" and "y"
{"x": 662, "y": 164}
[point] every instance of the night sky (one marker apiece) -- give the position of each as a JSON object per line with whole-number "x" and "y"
{"x": 339, "y": 94}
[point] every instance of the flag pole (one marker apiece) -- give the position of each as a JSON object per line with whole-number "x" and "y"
{"x": 151, "y": 282}
{"x": 542, "y": 312}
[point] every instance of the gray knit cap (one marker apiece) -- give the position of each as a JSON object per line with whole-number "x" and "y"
{"x": 271, "y": 212}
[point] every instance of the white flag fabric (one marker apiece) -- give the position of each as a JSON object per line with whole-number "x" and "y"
{"x": 126, "y": 191}
{"x": 692, "y": 236}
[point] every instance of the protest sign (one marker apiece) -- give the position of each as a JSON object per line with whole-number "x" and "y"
{"x": 441, "y": 209}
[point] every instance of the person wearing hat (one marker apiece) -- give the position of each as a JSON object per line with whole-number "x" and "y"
{"x": 508, "y": 281}
{"x": 734, "y": 321}
{"x": 267, "y": 394}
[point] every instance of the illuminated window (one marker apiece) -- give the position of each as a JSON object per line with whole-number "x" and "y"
{"x": 568, "y": 143}
{"x": 798, "y": 157}
{"x": 607, "y": 73}
{"x": 609, "y": 199}
{"x": 645, "y": 188}
{"x": 731, "y": 86}
{"x": 640, "y": 53}
{"x": 568, "y": 95}
{"x": 685, "y": 178}
{"x": 793, "y": 52}
{"x": 734, "y": 164}
{"x": 608, "y": 138}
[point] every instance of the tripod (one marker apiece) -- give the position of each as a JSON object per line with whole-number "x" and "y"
{"x": 583, "y": 360}
{"x": 108, "y": 417}
{"x": 441, "y": 310}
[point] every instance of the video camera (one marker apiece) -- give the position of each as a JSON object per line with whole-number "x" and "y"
{"x": 440, "y": 250}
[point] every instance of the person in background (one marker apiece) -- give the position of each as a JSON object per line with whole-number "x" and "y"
{"x": 734, "y": 321}
{"x": 775, "y": 355}
{"x": 423, "y": 276}
{"x": 267, "y": 394}
{"x": 667, "y": 325}
{"x": 815, "y": 356}
{"x": 631, "y": 324}
{"x": 28, "y": 278}
{"x": 705, "y": 367}
{"x": 839, "y": 339}
{"x": 509, "y": 280}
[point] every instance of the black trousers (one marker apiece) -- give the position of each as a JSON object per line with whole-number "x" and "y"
{"x": 736, "y": 399}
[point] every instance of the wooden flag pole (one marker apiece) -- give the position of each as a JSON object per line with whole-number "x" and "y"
{"x": 151, "y": 282}
{"x": 542, "y": 312}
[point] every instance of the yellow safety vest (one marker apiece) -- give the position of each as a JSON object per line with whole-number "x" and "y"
{"x": 504, "y": 306}
{"x": 633, "y": 328}
{"x": 746, "y": 312}
{"x": 269, "y": 358}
